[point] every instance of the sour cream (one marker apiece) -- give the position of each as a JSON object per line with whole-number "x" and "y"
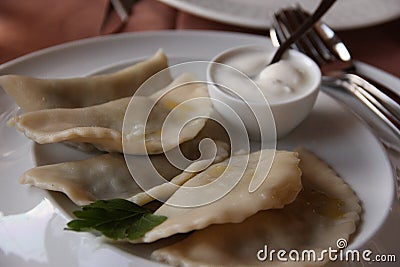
{"x": 279, "y": 82}
{"x": 276, "y": 97}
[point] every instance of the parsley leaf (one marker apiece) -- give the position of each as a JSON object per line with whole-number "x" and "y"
{"x": 118, "y": 219}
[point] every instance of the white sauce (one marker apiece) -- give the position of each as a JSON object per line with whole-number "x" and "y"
{"x": 286, "y": 79}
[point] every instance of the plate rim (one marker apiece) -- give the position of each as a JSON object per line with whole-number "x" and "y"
{"x": 258, "y": 24}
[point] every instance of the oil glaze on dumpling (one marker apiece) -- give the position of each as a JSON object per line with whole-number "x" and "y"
{"x": 326, "y": 210}
{"x": 101, "y": 125}
{"x": 280, "y": 187}
{"x": 36, "y": 94}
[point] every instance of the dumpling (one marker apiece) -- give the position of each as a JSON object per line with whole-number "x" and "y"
{"x": 98, "y": 125}
{"x": 33, "y": 94}
{"x": 101, "y": 177}
{"x": 107, "y": 176}
{"x": 163, "y": 191}
{"x": 101, "y": 125}
{"x": 325, "y": 211}
{"x": 181, "y": 112}
{"x": 280, "y": 187}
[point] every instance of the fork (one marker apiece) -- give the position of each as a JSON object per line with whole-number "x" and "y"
{"x": 328, "y": 51}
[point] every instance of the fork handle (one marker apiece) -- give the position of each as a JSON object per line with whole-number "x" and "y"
{"x": 395, "y": 96}
{"x": 362, "y": 90}
{"x": 386, "y": 96}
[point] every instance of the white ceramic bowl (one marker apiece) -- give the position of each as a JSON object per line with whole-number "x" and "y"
{"x": 262, "y": 116}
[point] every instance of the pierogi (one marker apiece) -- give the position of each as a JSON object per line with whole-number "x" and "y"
{"x": 281, "y": 185}
{"x": 33, "y": 94}
{"x": 164, "y": 191}
{"x": 101, "y": 125}
{"x": 107, "y": 176}
{"x": 100, "y": 177}
{"x": 323, "y": 212}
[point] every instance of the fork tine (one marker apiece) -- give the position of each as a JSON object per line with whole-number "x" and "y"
{"x": 333, "y": 43}
{"x": 285, "y": 23}
{"x": 281, "y": 31}
{"x": 315, "y": 39}
{"x": 304, "y": 43}
{"x": 276, "y": 33}
{"x": 313, "y": 43}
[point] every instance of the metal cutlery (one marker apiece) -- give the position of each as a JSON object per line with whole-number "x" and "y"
{"x": 304, "y": 27}
{"x": 325, "y": 47}
{"x": 119, "y": 9}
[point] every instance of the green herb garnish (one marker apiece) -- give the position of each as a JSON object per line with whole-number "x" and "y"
{"x": 118, "y": 219}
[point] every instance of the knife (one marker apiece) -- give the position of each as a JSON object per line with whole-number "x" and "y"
{"x": 117, "y": 15}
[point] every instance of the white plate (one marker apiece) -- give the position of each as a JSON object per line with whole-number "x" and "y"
{"x": 344, "y": 14}
{"x": 31, "y": 229}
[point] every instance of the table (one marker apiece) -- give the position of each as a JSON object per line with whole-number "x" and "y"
{"x": 27, "y": 26}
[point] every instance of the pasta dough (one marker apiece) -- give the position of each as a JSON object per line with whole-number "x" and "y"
{"x": 33, "y": 94}
{"x": 326, "y": 210}
{"x": 101, "y": 125}
{"x": 163, "y": 191}
{"x": 107, "y": 176}
{"x": 98, "y": 125}
{"x": 84, "y": 181}
{"x": 280, "y": 187}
